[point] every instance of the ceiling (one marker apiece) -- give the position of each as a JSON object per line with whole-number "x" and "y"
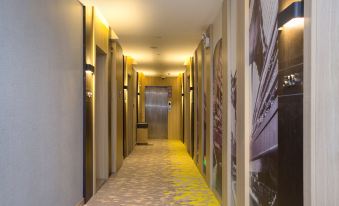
{"x": 159, "y": 34}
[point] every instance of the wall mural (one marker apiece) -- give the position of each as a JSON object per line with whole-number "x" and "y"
{"x": 263, "y": 36}
{"x": 217, "y": 118}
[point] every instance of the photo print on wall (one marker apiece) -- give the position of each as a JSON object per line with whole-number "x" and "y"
{"x": 217, "y": 118}
{"x": 263, "y": 52}
{"x": 204, "y": 161}
{"x": 233, "y": 132}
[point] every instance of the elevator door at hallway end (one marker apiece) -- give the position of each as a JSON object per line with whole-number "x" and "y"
{"x": 156, "y": 106}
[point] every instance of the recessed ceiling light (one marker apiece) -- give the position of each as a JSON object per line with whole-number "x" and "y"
{"x": 153, "y": 47}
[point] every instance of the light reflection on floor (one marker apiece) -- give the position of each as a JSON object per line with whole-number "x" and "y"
{"x": 161, "y": 174}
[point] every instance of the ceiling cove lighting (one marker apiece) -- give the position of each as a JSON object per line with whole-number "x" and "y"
{"x": 187, "y": 61}
{"x": 292, "y": 16}
{"x": 89, "y": 69}
{"x": 101, "y": 17}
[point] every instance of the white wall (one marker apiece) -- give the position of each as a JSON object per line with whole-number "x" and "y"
{"x": 41, "y": 103}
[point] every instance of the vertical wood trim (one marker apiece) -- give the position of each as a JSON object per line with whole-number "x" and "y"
{"x": 243, "y": 117}
{"x": 114, "y": 100}
{"x": 226, "y": 152}
{"x": 309, "y": 126}
{"x": 195, "y": 107}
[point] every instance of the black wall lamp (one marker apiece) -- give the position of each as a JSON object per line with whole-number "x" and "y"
{"x": 89, "y": 68}
{"x": 292, "y": 15}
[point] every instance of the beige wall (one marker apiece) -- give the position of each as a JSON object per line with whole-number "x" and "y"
{"x": 175, "y": 115}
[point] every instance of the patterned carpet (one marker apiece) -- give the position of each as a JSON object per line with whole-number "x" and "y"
{"x": 159, "y": 174}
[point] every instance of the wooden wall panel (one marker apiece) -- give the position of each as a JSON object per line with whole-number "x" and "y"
{"x": 97, "y": 37}
{"x": 321, "y": 100}
{"x": 130, "y": 106}
{"x": 243, "y": 102}
{"x": 118, "y": 91}
{"x": 188, "y": 124}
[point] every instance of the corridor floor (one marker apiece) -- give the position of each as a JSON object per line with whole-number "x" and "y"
{"x": 158, "y": 174}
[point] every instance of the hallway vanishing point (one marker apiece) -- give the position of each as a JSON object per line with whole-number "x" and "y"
{"x": 161, "y": 173}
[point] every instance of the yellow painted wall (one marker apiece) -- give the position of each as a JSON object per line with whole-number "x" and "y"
{"x": 175, "y": 115}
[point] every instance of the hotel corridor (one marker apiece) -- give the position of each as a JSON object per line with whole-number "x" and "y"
{"x": 169, "y": 102}
{"x": 161, "y": 173}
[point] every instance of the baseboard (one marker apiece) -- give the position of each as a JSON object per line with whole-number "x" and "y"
{"x": 81, "y": 203}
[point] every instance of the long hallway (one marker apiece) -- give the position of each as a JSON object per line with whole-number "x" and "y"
{"x": 161, "y": 173}
{"x": 169, "y": 102}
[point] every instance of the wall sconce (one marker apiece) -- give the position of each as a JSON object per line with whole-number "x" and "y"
{"x": 89, "y": 69}
{"x": 138, "y": 94}
{"x": 291, "y": 16}
{"x": 89, "y": 94}
{"x": 125, "y": 87}
{"x": 191, "y": 88}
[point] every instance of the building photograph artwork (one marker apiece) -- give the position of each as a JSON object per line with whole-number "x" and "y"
{"x": 217, "y": 117}
{"x": 263, "y": 52}
{"x": 233, "y": 133}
